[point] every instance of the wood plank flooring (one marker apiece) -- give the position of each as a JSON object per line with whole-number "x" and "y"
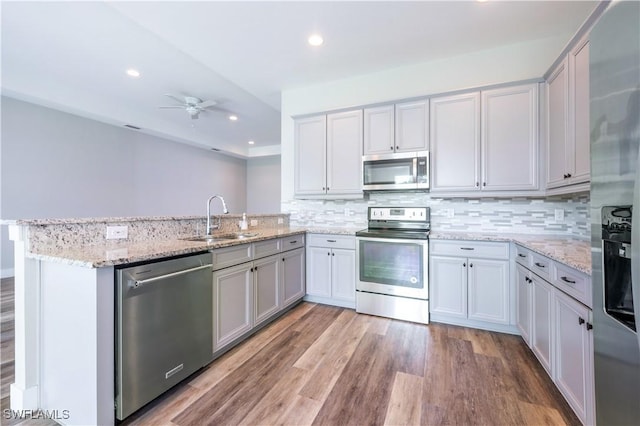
{"x": 325, "y": 365}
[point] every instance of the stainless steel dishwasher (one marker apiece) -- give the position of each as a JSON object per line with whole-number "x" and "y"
{"x": 164, "y": 329}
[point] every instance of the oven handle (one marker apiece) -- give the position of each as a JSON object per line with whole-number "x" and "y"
{"x": 394, "y": 240}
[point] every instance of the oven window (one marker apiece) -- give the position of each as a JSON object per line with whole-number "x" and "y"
{"x": 388, "y": 172}
{"x": 398, "y": 264}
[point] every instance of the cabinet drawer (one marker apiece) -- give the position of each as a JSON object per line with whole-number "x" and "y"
{"x": 541, "y": 266}
{"x": 573, "y": 283}
{"x": 333, "y": 241}
{"x": 523, "y": 256}
{"x": 229, "y": 256}
{"x": 266, "y": 248}
{"x": 481, "y": 249}
{"x": 292, "y": 242}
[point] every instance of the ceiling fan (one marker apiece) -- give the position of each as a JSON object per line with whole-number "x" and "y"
{"x": 194, "y": 106}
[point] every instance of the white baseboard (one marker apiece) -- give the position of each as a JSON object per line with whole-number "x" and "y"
{"x": 6, "y": 273}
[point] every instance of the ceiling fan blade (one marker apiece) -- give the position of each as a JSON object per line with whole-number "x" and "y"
{"x": 207, "y": 104}
{"x": 172, "y": 107}
{"x": 180, "y": 100}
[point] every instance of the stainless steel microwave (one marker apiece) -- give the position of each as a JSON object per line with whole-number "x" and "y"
{"x": 396, "y": 172}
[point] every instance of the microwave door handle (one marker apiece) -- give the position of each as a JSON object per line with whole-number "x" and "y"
{"x": 415, "y": 170}
{"x": 635, "y": 248}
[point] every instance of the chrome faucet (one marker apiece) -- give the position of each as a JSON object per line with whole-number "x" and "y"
{"x": 224, "y": 209}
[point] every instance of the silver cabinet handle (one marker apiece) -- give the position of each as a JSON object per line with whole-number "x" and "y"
{"x": 567, "y": 280}
{"x": 331, "y": 241}
{"x": 522, "y": 255}
{"x": 467, "y": 248}
{"x": 138, "y": 283}
{"x": 293, "y": 242}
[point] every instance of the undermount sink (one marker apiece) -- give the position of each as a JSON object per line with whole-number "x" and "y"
{"x": 221, "y": 237}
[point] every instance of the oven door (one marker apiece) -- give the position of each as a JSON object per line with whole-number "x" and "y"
{"x": 393, "y": 266}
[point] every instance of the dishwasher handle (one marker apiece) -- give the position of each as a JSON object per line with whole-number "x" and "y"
{"x": 138, "y": 283}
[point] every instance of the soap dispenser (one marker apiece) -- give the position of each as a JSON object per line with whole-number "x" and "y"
{"x": 243, "y": 222}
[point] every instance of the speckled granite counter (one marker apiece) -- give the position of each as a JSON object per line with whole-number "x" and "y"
{"x": 572, "y": 252}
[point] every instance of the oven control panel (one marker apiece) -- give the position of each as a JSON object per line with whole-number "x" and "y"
{"x": 404, "y": 214}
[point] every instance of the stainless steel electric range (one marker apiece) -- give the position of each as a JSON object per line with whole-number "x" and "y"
{"x": 393, "y": 267}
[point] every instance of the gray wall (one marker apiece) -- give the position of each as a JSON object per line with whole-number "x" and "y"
{"x": 263, "y": 184}
{"x": 55, "y": 164}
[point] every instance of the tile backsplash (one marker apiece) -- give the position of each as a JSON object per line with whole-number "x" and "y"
{"x": 518, "y": 215}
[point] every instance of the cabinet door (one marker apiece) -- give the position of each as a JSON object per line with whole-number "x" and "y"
{"x": 319, "y": 271}
{"x": 412, "y": 126}
{"x": 489, "y": 290}
{"x": 455, "y": 142}
{"x": 293, "y": 279}
{"x": 579, "y": 112}
{"x": 232, "y": 301}
{"x": 542, "y": 322}
{"x": 343, "y": 274}
{"x": 344, "y": 153}
{"x": 266, "y": 290}
{"x": 557, "y": 116}
{"x": 574, "y": 360}
{"x": 448, "y": 286}
{"x": 310, "y": 156}
{"x": 523, "y": 302}
{"x": 510, "y": 138}
{"x": 379, "y": 130}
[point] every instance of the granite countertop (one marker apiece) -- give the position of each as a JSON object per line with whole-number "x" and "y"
{"x": 573, "y": 252}
{"x": 113, "y": 253}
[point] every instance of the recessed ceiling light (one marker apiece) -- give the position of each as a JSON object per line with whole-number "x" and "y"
{"x": 315, "y": 40}
{"x": 251, "y": 142}
{"x": 133, "y": 73}
{"x": 233, "y": 117}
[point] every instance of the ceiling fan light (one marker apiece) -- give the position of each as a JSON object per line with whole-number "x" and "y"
{"x": 233, "y": 117}
{"x": 251, "y": 142}
{"x": 131, "y": 72}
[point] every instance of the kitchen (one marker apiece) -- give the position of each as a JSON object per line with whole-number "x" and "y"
{"x": 476, "y": 214}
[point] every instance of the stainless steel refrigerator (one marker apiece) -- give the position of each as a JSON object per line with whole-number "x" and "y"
{"x": 614, "y": 50}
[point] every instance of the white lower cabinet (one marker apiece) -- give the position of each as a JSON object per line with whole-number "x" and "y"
{"x": 557, "y": 327}
{"x": 266, "y": 287}
{"x": 252, "y": 283}
{"x": 471, "y": 291}
{"x": 232, "y": 304}
{"x": 292, "y": 276}
{"x": 331, "y": 269}
{"x": 574, "y": 355}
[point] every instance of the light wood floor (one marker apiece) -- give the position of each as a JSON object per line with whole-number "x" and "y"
{"x": 326, "y": 365}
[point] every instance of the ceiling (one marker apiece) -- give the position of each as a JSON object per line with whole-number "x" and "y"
{"x": 73, "y": 56}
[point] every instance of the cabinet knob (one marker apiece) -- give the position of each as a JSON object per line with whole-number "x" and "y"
{"x": 464, "y": 264}
{"x": 328, "y": 253}
{"x": 580, "y": 320}
{"x": 589, "y": 326}
{"x": 484, "y": 183}
{"x": 283, "y": 259}
{"x": 477, "y": 183}
{"x": 568, "y": 175}
{"x": 333, "y": 254}
{"x": 391, "y": 148}
{"x": 471, "y": 265}
{"x": 397, "y": 147}
{"x": 323, "y": 188}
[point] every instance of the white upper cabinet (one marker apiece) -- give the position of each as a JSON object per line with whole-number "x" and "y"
{"x": 328, "y": 156}
{"x": 579, "y": 111}
{"x": 310, "y": 156}
{"x": 510, "y": 138}
{"x": 401, "y": 127}
{"x": 568, "y": 160}
{"x": 379, "y": 130}
{"x": 485, "y": 141}
{"x": 455, "y": 142}
{"x": 412, "y": 126}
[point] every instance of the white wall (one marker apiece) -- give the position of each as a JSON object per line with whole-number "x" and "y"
{"x": 501, "y": 65}
{"x": 55, "y": 164}
{"x": 263, "y": 184}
